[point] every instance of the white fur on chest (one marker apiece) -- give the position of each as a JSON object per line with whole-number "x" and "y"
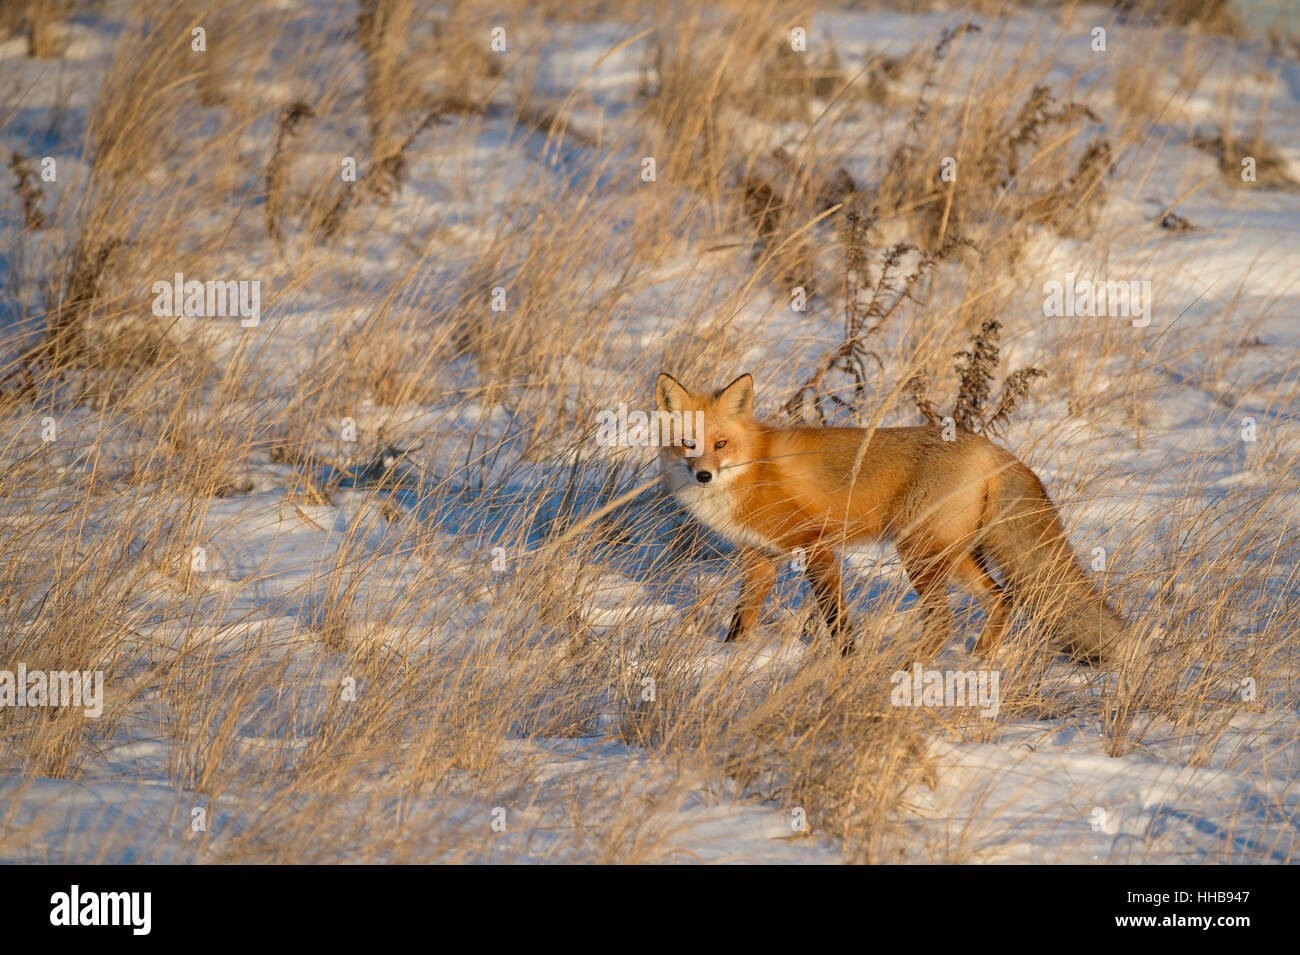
{"x": 714, "y": 507}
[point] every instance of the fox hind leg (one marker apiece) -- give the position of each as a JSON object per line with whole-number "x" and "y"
{"x": 928, "y": 569}
{"x": 972, "y": 573}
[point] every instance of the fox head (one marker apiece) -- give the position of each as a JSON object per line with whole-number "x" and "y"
{"x": 724, "y": 440}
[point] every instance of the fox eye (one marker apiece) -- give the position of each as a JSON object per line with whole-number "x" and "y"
{"x": 719, "y": 445}
{"x": 688, "y": 444}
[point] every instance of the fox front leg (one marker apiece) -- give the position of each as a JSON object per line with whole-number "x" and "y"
{"x": 823, "y": 574}
{"x": 759, "y": 574}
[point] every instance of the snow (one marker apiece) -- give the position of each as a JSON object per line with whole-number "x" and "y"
{"x": 1049, "y": 790}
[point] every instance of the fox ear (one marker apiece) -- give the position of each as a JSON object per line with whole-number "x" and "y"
{"x": 669, "y": 393}
{"x": 738, "y": 397}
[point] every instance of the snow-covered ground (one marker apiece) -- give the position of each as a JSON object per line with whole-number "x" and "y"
{"x": 1162, "y": 472}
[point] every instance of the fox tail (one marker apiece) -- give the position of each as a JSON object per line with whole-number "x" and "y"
{"x": 1026, "y": 541}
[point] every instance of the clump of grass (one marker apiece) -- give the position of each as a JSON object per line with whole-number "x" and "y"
{"x": 976, "y": 369}
{"x": 382, "y": 180}
{"x": 697, "y": 106}
{"x": 41, "y": 18}
{"x": 1070, "y": 207}
{"x": 277, "y": 169}
{"x": 1215, "y": 16}
{"x": 74, "y": 301}
{"x": 1271, "y": 167}
{"x": 782, "y": 197}
{"x": 382, "y": 28}
{"x": 981, "y": 186}
{"x": 792, "y": 79}
{"x": 792, "y": 256}
{"x": 868, "y": 306}
{"x": 27, "y": 184}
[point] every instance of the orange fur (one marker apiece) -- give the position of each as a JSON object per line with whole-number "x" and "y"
{"x": 955, "y": 509}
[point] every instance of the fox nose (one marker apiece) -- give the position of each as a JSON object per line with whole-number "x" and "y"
{"x": 704, "y": 477}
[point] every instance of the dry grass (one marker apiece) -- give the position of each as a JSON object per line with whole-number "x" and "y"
{"x": 403, "y": 655}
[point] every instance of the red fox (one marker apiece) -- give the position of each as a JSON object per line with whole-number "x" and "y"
{"x": 956, "y": 510}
